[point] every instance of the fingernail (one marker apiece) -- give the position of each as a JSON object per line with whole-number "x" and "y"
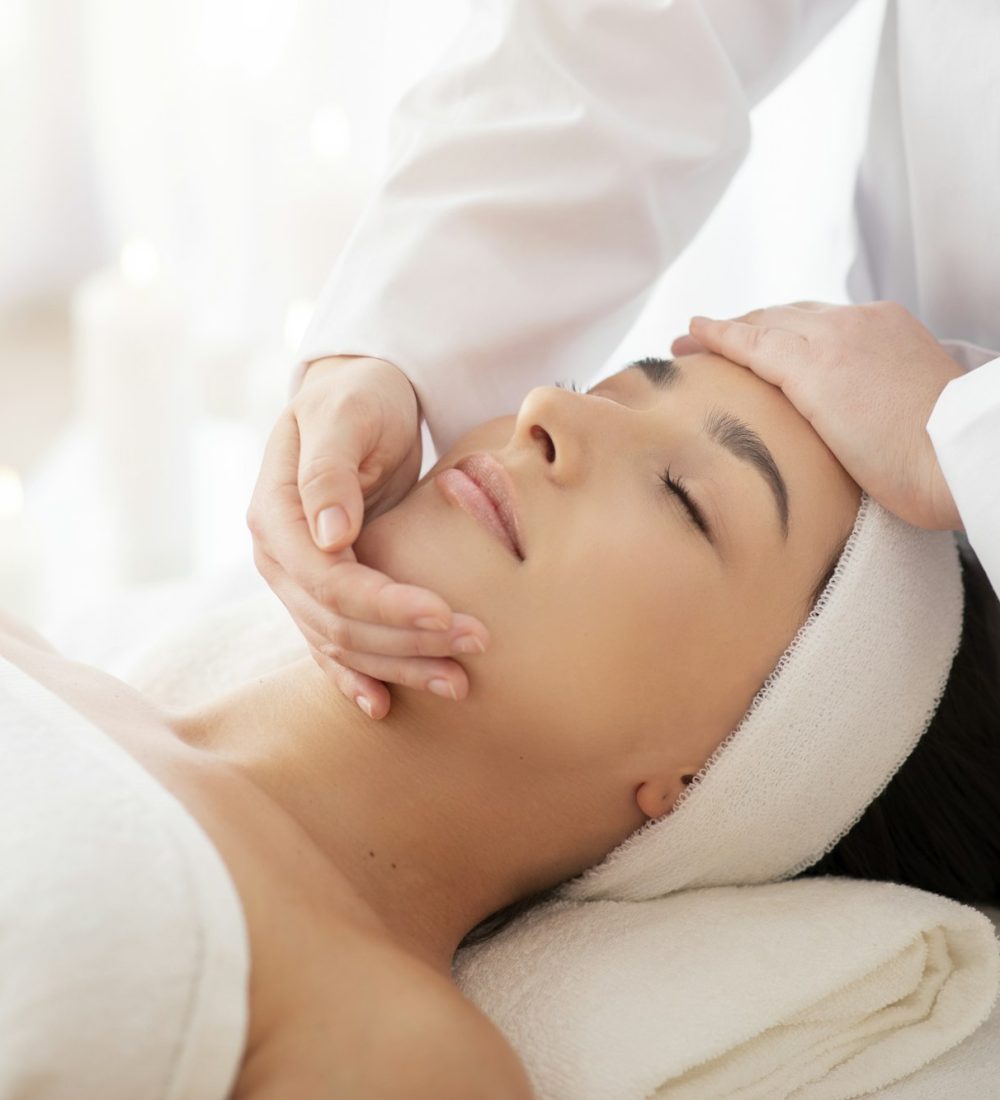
{"x": 364, "y": 704}
{"x": 331, "y": 525}
{"x": 443, "y": 687}
{"x": 428, "y": 623}
{"x": 468, "y": 643}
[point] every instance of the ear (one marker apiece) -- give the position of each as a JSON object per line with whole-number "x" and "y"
{"x": 656, "y": 797}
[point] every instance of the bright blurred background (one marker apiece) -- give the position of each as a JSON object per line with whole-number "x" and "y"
{"x": 177, "y": 181}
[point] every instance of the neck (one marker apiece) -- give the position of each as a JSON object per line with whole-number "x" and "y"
{"x": 416, "y": 811}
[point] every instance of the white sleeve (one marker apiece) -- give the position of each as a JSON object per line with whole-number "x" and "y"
{"x": 540, "y": 181}
{"x": 964, "y": 427}
{"x": 968, "y": 356}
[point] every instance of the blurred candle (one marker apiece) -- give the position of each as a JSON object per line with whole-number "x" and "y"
{"x": 135, "y": 380}
{"x": 20, "y": 552}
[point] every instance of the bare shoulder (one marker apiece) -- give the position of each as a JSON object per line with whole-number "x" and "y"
{"x": 464, "y": 1053}
{"x": 411, "y": 1037}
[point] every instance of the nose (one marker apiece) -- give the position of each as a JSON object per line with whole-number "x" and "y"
{"x": 561, "y": 427}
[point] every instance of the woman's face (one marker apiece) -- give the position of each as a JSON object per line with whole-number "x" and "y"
{"x": 627, "y": 630}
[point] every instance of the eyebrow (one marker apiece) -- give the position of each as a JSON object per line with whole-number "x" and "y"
{"x": 729, "y": 432}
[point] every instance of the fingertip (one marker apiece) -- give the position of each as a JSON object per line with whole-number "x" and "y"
{"x": 371, "y": 702}
{"x": 685, "y": 345}
{"x": 332, "y": 525}
{"x": 471, "y": 625}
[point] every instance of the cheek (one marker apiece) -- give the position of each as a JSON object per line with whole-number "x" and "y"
{"x": 613, "y": 634}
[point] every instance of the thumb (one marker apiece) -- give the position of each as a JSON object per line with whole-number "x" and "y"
{"x": 332, "y": 500}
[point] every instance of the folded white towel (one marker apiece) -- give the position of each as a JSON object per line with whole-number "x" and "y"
{"x": 821, "y": 989}
{"x": 817, "y": 989}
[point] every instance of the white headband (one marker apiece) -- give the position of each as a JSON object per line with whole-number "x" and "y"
{"x": 844, "y": 707}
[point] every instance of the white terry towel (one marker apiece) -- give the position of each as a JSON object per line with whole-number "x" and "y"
{"x": 124, "y": 957}
{"x": 816, "y": 989}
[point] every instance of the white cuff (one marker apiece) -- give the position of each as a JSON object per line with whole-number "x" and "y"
{"x": 964, "y": 427}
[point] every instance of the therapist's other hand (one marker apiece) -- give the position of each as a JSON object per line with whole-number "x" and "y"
{"x": 866, "y": 377}
{"x": 350, "y": 439}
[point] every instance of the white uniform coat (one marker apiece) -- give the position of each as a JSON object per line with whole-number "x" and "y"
{"x": 565, "y": 151}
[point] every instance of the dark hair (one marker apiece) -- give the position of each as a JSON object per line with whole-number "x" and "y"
{"x": 936, "y": 826}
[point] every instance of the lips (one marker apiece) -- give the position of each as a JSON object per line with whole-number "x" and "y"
{"x": 493, "y": 481}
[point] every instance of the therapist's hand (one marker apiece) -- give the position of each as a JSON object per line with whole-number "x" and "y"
{"x": 350, "y": 439}
{"x": 866, "y": 377}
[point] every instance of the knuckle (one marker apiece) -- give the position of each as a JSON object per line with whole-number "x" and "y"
{"x": 264, "y": 562}
{"x": 410, "y": 672}
{"x": 336, "y": 401}
{"x": 329, "y": 664}
{"x": 313, "y": 470}
{"x": 757, "y": 337}
{"x": 316, "y": 389}
{"x": 429, "y": 644}
{"x": 341, "y": 634}
{"x": 783, "y": 348}
{"x": 354, "y": 400}
{"x": 383, "y": 596}
{"x": 798, "y": 345}
{"x": 326, "y": 589}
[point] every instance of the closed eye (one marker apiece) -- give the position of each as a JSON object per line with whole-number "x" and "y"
{"x": 673, "y": 485}
{"x": 695, "y": 514}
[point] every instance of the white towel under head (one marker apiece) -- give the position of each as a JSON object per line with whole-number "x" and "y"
{"x": 843, "y": 709}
